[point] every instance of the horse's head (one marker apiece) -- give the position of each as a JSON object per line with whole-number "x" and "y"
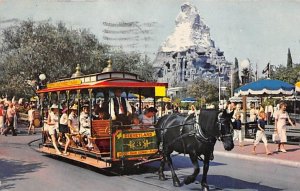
{"x": 226, "y": 130}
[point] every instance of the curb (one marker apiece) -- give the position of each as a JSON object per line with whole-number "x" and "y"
{"x": 257, "y": 158}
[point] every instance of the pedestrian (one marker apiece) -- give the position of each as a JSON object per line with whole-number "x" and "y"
{"x": 10, "y": 115}
{"x": 176, "y": 108}
{"x": 16, "y": 116}
{"x": 237, "y": 129}
{"x": 192, "y": 110}
{"x": 269, "y": 112}
{"x": 1, "y": 118}
{"x": 260, "y": 134}
{"x": 253, "y": 113}
{"x": 230, "y": 107}
{"x": 281, "y": 117}
{"x": 31, "y": 113}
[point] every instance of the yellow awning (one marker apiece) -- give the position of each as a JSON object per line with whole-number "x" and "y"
{"x": 297, "y": 87}
{"x": 164, "y": 99}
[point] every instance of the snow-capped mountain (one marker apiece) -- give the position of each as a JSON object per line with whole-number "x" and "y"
{"x": 190, "y": 31}
{"x": 189, "y": 52}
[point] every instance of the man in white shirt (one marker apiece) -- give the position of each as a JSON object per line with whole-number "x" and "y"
{"x": 119, "y": 108}
{"x": 85, "y": 121}
{"x": 269, "y": 112}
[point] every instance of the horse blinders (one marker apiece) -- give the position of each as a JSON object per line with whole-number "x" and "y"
{"x": 222, "y": 123}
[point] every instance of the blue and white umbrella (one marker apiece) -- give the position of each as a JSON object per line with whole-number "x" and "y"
{"x": 266, "y": 87}
{"x": 189, "y": 100}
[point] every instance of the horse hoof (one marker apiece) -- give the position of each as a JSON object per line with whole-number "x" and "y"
{"x": 188, "y": 180}
{"x": 162, "y": 177}
{"x": 205, "y": 187}
{"x": 176, "y": 184}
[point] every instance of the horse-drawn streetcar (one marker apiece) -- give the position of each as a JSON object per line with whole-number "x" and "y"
{"x": 110, "y": 140}
{"x": 100, "y": 127}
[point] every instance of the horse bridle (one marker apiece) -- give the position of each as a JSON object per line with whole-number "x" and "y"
{"x": 220, "y": 123}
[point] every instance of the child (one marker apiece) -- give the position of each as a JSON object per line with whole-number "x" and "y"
{"x": 237, "y": 129}
{"x": 135, "y": 122}
{"x": 260, "y": 134}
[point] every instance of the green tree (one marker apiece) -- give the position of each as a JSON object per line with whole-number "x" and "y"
{"x": 31, "y": 48}
{"x": 290, "y": 75}
{"x": 289, "y": 59}
{"x": 202, "y": 89}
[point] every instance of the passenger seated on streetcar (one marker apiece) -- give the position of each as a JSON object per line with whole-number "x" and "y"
{"x": 73, "y": 127}
{"x": 147, "y": 119}
{"x": 102, "y": 115}
{"x": 136, "y": 124}
{"x": 99, "y": 114}
{"x": 95, "y": 111}
{"x": 120, "y": 109}
{"x": 85, "y": 121}
{"x": 52, "y": 122}
{"x": 85, "y": 124}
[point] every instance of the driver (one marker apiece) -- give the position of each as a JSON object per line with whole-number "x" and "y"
{"x": 119, "y": 108}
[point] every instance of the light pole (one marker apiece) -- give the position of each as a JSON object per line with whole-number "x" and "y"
{"x": 42, "y": 77}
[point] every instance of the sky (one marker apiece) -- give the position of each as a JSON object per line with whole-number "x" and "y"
{"x": 258, "y": 30}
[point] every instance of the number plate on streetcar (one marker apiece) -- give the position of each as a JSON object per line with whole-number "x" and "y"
{"x": 134, "y": 144}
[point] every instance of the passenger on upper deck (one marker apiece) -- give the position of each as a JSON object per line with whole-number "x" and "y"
{"x": 147, "y": 119}
{"x": 119, "y": 108}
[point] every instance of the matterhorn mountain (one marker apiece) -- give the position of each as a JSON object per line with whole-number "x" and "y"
{"x": 189, "y": 52}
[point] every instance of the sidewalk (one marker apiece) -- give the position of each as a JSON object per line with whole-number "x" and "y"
{"x": 290, "y": 158}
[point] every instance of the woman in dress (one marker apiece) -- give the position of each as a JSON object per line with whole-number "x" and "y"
{"x": 281, "y": 117}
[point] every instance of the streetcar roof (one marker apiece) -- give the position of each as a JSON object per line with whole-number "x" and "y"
{"x": 101, "y": 80}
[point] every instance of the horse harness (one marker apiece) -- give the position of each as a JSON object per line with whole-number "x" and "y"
{"x": 197, "y": 132}
{"x": 220, "y": 127}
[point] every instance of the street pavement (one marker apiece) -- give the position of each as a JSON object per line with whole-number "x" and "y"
{"x": 290, "y": 158}
{"x": 22, "y": 168}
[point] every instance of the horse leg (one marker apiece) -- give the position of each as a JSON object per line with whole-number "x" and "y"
{"x": 205, "y": 170}
{"x": 161, "y": 169}
{"x": 192, "y": 177}
{"x": 176, "y": 182}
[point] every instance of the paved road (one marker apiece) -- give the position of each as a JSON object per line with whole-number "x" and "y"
{"x": 22, "y": 168}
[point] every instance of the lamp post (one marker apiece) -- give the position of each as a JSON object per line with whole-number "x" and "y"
{"x": 223, "y": 89}
{"x": 42, "y": 77}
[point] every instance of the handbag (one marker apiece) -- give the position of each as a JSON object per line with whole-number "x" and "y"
{"x": 275, "y": 138}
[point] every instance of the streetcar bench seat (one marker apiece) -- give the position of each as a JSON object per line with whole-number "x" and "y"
{"x": 100, "y": 135}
